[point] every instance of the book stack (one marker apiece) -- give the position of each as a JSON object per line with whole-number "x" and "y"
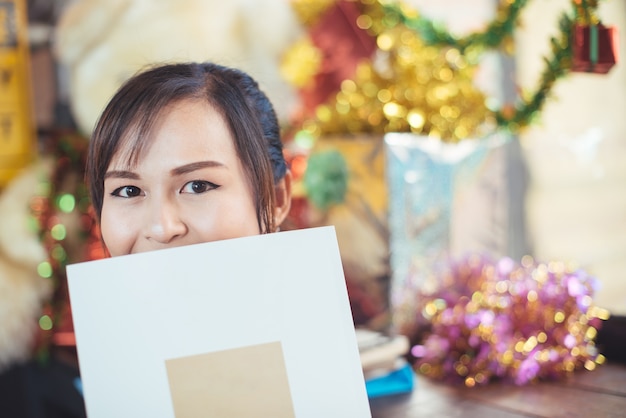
{"x": 384, "y": 365}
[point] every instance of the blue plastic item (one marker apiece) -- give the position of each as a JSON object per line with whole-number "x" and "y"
{"x": 398, "y": 381}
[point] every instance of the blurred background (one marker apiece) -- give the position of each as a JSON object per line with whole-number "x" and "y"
{"x": 424, "y": 131}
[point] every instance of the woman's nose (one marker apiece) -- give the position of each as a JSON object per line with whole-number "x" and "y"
{"x": 164, "y": 223}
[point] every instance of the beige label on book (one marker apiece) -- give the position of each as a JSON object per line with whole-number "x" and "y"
{"x": 243, "y": 382}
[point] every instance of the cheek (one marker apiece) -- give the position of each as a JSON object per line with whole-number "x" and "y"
{"x": 232, "y": 219}
{"x": 117, "y": 232}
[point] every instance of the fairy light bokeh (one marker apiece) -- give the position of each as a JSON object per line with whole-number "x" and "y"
{"x": 61, "y": 217}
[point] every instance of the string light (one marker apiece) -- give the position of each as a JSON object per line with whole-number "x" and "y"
{"x": 57, "y": 203}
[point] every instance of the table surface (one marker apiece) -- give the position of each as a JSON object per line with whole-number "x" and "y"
{"x": 597, "y": 393}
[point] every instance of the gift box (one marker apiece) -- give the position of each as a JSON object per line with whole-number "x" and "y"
{"x": 445, "y": 199}
{"x": 341, "y": 182}
{"x": 594, "y": 48}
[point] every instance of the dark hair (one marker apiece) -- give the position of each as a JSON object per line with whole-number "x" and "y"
{"x": 129, "y": 117}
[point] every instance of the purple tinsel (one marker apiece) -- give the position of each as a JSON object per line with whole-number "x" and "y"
{"x": 515, "y": 321}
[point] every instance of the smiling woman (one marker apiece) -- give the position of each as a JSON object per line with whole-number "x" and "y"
{"x": 184, "y": 154}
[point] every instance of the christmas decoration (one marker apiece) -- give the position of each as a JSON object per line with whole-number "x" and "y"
{"x": 61, "y": 215}
{"x": 497, "y": 32}
{"x": 340, "y": 46}
{"x": 419, "y": 79}
{"x": 583, "y": 45}
{"x": 405, "y": 86}
{"x": 326, "y": 178}
{"x": 498, "y": 319}
{"x": 514, "y": 117}
{"x": 594, "y": 48}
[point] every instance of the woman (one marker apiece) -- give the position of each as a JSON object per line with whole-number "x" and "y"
{"x": 184, "y": 154}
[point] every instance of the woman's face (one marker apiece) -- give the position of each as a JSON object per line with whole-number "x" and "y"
{"x": 188, "y": 187}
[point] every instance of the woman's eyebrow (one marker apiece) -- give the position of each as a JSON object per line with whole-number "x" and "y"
{"x": 121, "y": 174}
{"x": 188, "y": 168}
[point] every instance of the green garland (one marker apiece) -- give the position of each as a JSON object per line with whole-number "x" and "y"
{"x": 499, "y": 30}
{"x": 557, "y": 66}
{"x": 493, "y": 36}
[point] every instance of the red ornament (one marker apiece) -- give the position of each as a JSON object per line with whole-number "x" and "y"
{"x": 595, "y": 48}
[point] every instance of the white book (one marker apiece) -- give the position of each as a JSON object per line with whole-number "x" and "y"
{"x": 384, "y": 353}
{"x": 256, "y": 327}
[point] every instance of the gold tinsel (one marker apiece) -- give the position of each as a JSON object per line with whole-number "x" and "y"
{"x": 585, "y": 11}
{"x": 300, "y": 63}
{"x": 406, "y": 87}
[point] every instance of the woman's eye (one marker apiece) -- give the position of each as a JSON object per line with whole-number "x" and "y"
{"x": 198, "y": 186}
{"x": 127, "y": 191}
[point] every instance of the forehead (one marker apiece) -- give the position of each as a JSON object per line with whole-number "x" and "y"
{"x": 190, "y": 125}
